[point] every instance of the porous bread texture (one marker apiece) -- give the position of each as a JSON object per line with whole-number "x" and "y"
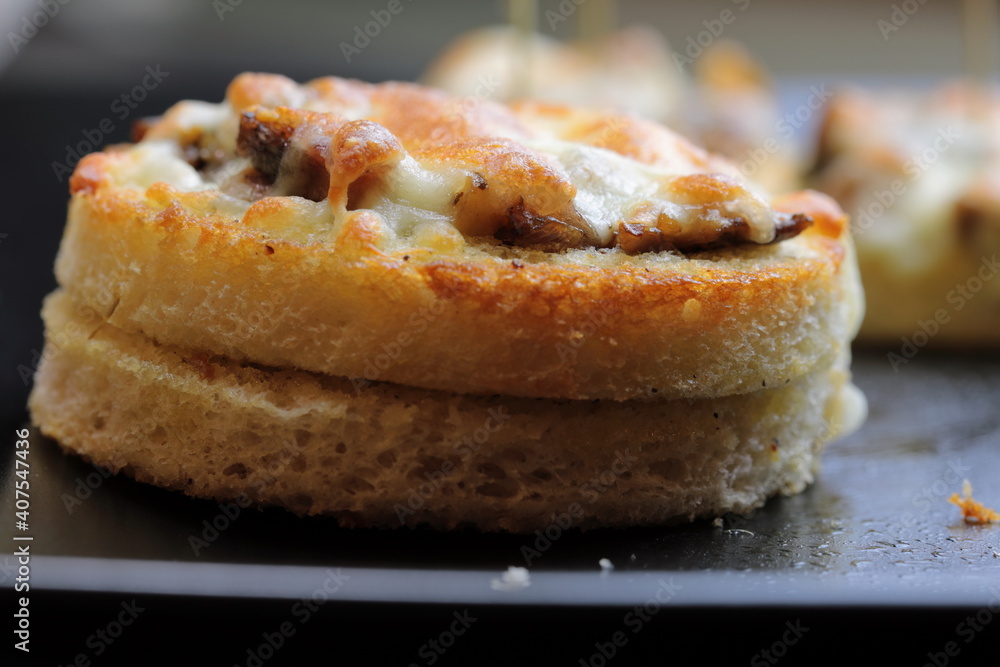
{"x": 388, "y": 455}
{"x": 580, "y": 324}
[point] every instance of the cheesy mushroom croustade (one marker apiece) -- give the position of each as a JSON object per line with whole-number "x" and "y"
{"x": 920, "y": 174}
{"x": 380, "y": 285}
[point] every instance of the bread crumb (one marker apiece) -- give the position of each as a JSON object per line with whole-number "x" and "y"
{"x": 606, "y": 565}
{"x": 717, "y": 522}
{"x": 972, "y": 511}
{"x": 515, "y": 578}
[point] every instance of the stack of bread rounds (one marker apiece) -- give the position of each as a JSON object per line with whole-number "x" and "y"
{"x": 385, "y": 304}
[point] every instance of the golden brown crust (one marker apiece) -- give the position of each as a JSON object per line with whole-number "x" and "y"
{"x": 559, "y": 326}
{"x": 642, "y": 140}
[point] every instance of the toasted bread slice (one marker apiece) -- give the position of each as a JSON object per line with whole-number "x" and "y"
{"x": 582, "y": 255}
{"x": 388, "y": 455}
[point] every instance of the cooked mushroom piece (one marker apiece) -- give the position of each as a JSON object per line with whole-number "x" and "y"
{"x": 263, "y": 139}
{"x": 635, "y": 238}
{"x": 289, "y": 147}
{"x": 524, "y": 228}
{"x": 638, "y": 237}
{"x": 789, "y": 225}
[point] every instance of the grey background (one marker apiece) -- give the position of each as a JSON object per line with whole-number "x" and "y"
{"x": 93, "y": 44}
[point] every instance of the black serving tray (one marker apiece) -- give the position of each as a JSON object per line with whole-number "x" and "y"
{"x": 872, "y": 546}
{"x": 875, "y": 529}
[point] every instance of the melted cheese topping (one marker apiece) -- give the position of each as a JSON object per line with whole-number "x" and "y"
{"x": 611, "y": 186}
{"x": 416, "y": 180}
{"x": 153, "y": 162}
{"x": 410, "y": 195}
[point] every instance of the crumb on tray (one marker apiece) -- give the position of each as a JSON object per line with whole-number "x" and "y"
{"x": 515, "y": 578}
{"x": 972, "y": 511}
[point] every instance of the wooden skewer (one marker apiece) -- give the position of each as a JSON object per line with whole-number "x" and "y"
{"x": 597, "y": 19}
{"x": 980, "y": 33}
{"x": 523, "y": 15}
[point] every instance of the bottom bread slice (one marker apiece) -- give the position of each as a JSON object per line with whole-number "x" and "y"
{"x": 387, "y": 455}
